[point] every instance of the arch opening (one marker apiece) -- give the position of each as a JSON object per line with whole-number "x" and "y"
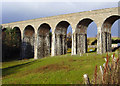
{"x": 44, "y": 40}
{"x": 11, "y": 42}
{"x": 28, "y": 42}
{"x": 63, "y": 38}
{"x": 4, "y": 46}
{"x": 115, "y": 34}
{"x": 84, "y": 43}
{"x": 69, "y": 39}
{"x": 106, "y": 33}
{"x": 17, "y": 41}
{"x": 92, "y": 37}
{"x": 3, "y": 33}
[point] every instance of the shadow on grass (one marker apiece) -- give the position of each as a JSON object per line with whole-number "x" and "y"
{"x": 14, "y": 69}
{"x": 114, "y": 49}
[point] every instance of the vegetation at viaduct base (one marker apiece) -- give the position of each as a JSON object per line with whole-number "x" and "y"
{"x": 10, "y": 44}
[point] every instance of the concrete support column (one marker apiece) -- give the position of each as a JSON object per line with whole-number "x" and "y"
{"x": 104, "y": 40}
{"x": 103, "y": 43}
{"x": 75, "y": 44}
{"x": 109, "y": 49}
{"x": 40, "y": 50}
{"x": 81, "y": 44}
{"x": 21, "y": 35}
{"x": 72, "y": 52}
{"x": 43, "y": 44}
{"x": 63, "y": 44}
{"x": 99, "y": 41}
{"x": 84, "y": 43}
{"x": 81, "y": 47}
{"x": 21, "y": 49}
{"x": 110, "y": 42}
{"x": 53, "y": 50}
{"x": 58, "y": 44}
{"x": 65, "y": 40}
{"x": 47, "y": 51}
{"x": 78, "y": 43}
{"x": 35, "y": 46}
{"x": 107, "y": 42}
{"x": 24, "y": 46}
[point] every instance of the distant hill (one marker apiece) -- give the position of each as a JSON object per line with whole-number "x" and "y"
{"x": 69, "y": 34}
{"x": 92, "y": 40}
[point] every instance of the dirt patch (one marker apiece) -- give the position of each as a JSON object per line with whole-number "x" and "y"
{"x": 45, "y": 69}
{"x": 72, "y": 60}
{"x": 52, "y": 67}
{"x": 82, "y": 60}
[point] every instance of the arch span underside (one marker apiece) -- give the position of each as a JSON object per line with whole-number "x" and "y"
{"x": 11, "y": 43}
{"x": 80, "y": 36}
{"x": 28, "y": 42}
{"x": 61, "y": 38}
{"x": 44, "y": 41}
{"x": 106, "y": 33}
{"x": 3, "y": 45}
{"x": 17, "y": 34}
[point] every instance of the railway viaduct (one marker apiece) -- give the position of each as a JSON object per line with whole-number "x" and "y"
{"x": 35, "y": 36}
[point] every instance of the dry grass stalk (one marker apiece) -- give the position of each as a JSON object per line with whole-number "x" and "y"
{"x": 109, "y": 73}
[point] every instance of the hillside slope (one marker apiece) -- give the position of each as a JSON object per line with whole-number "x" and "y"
{"x": 64, "y": 69}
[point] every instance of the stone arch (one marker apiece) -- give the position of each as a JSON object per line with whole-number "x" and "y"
{"x": 61, "y": 37}
{"x": 81, "y": 27}
{"x": 3, "y": 45}
{"x": 3, "y": 33}
{"x": 106, "y": 33}
{"x": 4, "y": 29}
{"x": 108, "y": 22}
{"x": 28, "y": 42}
{"x": 80, "y": 36}
{"x": 44, "y": 40}
{"x": 17, "y": 34}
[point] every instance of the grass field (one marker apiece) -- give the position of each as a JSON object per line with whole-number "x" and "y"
{"x": 64, "y": 69}
{"x": 92, "y": 39}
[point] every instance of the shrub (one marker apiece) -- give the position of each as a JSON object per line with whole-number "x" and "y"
{"x": 109, "y": 73}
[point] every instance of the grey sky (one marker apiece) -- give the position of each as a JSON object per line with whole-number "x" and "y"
{"x": 17, "y": 11}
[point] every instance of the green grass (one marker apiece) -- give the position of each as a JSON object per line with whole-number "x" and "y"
{"x": 64, "y": 69}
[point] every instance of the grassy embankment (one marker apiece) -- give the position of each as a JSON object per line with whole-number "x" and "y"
{"x": 64, "y": 69}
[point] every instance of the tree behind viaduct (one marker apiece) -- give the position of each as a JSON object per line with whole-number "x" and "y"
{"x": 35, "y": 36}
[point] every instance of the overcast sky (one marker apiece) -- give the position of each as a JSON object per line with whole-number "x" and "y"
{"x": 19, "y": 10}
